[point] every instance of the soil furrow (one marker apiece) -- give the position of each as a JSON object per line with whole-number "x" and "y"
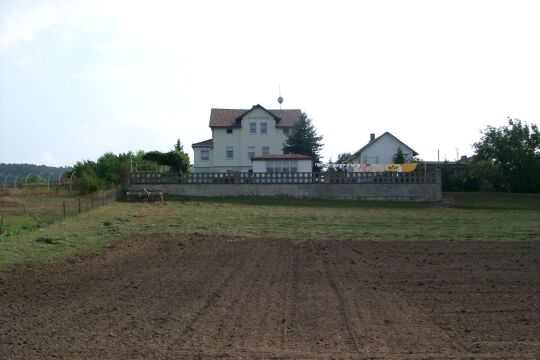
{"x": 165, "y": 296}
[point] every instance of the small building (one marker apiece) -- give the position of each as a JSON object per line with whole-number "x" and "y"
{"x": 381, "y": 150}
{"x": 238, "y": 135}
{"x": 283, "y": 163}
{"x": 203, "y": 161}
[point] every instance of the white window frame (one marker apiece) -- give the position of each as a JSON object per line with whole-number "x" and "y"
{"x": 268, "y": 150}
{"x": 252, "y": 127}
{"x": 264, "y": 129}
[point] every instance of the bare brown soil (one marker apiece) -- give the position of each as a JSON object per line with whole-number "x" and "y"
{"x": 176, "y": 297}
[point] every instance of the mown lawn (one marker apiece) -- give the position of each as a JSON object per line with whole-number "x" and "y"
{"x": 464, "y": 217}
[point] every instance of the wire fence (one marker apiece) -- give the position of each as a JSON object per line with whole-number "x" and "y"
{"x": 20, "y": 212}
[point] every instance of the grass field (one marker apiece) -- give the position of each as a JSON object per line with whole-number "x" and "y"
{"x": 461, "y": 217}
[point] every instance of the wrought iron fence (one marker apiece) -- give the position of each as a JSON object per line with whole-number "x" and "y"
{"x": 141, "y": 178}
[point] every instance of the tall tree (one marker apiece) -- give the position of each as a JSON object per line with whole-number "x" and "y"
{"x": 398, "y": 157}
{"x": 178, "y": 146}
{"x": 304, "y": 140}
{"x": 514, "y": 151}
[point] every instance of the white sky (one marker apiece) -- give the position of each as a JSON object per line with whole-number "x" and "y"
{"x": 81, "y": 78}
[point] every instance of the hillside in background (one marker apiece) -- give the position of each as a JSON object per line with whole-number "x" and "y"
{"x": 24, "y": 169}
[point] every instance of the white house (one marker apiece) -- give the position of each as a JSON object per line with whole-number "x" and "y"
{"x": 381, "y": 150}
{"x": 238, "y": 135}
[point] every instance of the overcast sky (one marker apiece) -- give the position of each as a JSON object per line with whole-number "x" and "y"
{"x": 81, "y": 78}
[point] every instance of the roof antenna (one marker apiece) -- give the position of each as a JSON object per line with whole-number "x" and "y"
{"x": 280, "y": 99}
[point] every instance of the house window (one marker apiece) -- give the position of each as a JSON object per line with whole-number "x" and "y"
{"x": 229, "y": 131}
{"x": 293, "y": 166}
{"x": 205, "y": 155}
{"x": 277, "y": 166}
{"x": 252, "y": 128}
{"x": 229, "y": 153}
{"x": 251, "y": 151}
{"x": 266, "y": 150}
{"x": 269, "y": 166}
{"x": 286, "y": 131}
{"x": 264, "y": 128}
{"x": 281, "y": 166}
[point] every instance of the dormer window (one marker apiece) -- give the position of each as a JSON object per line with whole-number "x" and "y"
{"x": 264, "y": 128}
{"x": 229, "y": 131}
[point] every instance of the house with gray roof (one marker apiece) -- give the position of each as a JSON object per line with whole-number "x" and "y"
{"x": 238, "y": 135}
{"x": 381, "y": 150}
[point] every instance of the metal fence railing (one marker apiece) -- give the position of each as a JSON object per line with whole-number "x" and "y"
{"x": 142, "y": 178}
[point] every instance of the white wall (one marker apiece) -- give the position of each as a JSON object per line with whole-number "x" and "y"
{"x": 382, "y": 151}
{"x": 202, "y": 165}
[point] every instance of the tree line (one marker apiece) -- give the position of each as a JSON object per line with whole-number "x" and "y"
{"x": 506, "y": 158}
{"x": 24, "y": 169}
{"x": 111, "y": 170}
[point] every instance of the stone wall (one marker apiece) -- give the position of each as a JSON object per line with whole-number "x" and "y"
{"x": 388, "y": 187}
{"x": 388, "y": 192}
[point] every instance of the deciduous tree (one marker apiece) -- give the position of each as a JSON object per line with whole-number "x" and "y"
{"x": 514, "y": 152}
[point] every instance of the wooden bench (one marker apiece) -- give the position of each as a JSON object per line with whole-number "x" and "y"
{"x": 144, "y": 195}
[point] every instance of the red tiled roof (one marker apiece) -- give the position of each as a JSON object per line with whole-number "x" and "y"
{"x": 229, "y": 117}
{"x": 205, "y": 143}
{"x": 282, "y": 157}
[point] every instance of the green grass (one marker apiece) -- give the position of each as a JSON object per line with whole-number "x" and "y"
{"x": 470, "y": 217}
{"x": 25, "y": 211}
{"x": 496, "y": 201}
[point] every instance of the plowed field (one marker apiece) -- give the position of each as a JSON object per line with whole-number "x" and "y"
{"x": 199, "y": 297}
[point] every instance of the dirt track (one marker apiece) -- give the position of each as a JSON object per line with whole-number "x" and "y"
{"x": 174, "y": 297}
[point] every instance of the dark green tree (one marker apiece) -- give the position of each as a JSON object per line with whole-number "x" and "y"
{"x": 177, "y": 160}
{"x": 343, "y": 157}
{"x": 486, "y": 174}
{"x": 178, "y": 146}
{"x": 112, "y": 169}
{"x": 87, "y": 177}
{"x": 399, "y": 158}
{"x": 514, "y": 152}
{"x": 303, "y": 139}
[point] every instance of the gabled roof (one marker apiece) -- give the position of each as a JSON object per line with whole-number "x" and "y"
{"x": 232, "y": 117}
{"x": 377, "y": 139}
{"x": 205, "y": 143}
{"x": 282, "y": 157}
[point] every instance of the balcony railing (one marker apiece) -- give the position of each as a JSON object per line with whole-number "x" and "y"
{"x": 284, "y": 178}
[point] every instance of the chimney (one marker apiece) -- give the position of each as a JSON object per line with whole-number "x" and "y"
{"x": 371, "y": 137}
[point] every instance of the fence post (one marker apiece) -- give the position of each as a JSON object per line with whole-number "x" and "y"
{"x": 1, "y": 224}
{"x": 64, "y": 207}
{"x": 102, "y": 197}
{"x": 91, "y": 201}
{"x": 79, "y": 205}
